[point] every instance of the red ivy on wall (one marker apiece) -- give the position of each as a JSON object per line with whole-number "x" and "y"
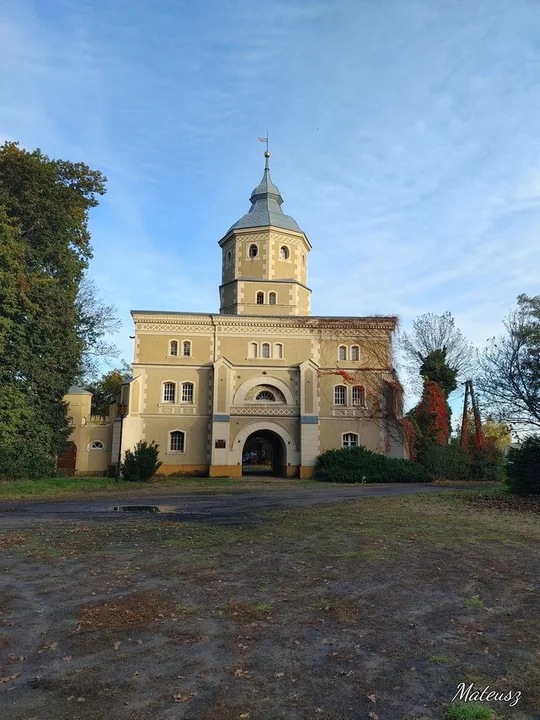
{"x": 432, "y": 414}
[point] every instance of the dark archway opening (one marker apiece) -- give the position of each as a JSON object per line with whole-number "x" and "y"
{"x": 264, "y": 454}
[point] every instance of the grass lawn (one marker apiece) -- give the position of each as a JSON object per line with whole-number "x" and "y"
{"x": 370, "y": 609}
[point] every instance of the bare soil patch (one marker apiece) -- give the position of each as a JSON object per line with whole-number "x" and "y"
{"x": 336, "y": 611}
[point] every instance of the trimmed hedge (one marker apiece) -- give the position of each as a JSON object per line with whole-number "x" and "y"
{"x": 523, "y": 467}
{"x": 358, "y": 464}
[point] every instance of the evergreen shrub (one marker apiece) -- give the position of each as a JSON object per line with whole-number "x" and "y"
{"x": 358, "y": 464}
{"x": 19, "y": 461}
{"x": 141, "y": 464}
{"x": 523, "y": 467}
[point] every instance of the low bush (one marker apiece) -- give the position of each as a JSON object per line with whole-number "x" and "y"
{"x": 19, "y": 461}
{"x": 358, "y": 464}
{"x": 141, "y": 464}
{"x": 523, "y": 467}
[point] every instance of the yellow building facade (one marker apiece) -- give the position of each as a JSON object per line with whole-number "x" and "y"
{"x": 263, "y": 384}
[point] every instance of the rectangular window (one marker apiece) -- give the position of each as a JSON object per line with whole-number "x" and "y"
{"x": 358, "y": 395}
{"x": 187, "y": 392}
{"x": 169, "y": 392}
{"x": 340, "y": 395}
{"x": 177, "y": 441}
{"x": 342, "y": 353}
{"x": 187, "y": 348}
{"x": 350, "y": 440}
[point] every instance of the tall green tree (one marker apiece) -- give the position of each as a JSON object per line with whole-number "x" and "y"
{"x": 105, "y": 390}
{"x": 435, "y": 367}
{"x": 44, "y": 250}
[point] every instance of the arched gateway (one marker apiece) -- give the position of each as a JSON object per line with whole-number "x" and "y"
{"x": 266, "y": 448}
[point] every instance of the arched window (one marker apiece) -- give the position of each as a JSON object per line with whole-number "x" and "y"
{"x": 186, "y": 348}
{"x": 340, "y": 395}
{"x": 253, "y": 350}
{"x": 169, "y": 392}
{"x": 355, "y": 352}
{"x": 284, "y": 253}
{"x": 303, "y": 261}
{"x": 173, "y": 347}
{"x": 253, "y": 251}
{"x": 265, "y": 350}
{"x": 177, "y": 441}
{"x": 228, "y": 258}
{"x": 278, "y": 351}
{"x": 266, "y": 396}
{"x": 272, "y": 298}
{"x": 97, "y": 445}
{"x": 260, "y": 298}
{"x": 187, "y": 392}
{"x": 342, "y": 352}
{"x": 358, "y": 395}
{"x": 350, "y": 440}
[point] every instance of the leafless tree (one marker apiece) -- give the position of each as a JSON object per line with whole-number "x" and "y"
{"x": 509, "y": 368}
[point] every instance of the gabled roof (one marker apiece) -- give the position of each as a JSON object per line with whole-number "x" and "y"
{"x": 265, "y": 207}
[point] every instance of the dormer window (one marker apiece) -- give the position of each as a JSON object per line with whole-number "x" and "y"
{"x": 253, "y": 251}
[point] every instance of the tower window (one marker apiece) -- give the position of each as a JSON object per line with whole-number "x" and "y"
{"x": 253, "y": 251}
{"x": 228, "y": 258}
{"x": 342, "y": 352}
{"x": 169, "y": 392}
{"x": 260, "y": 298}
{"x": 265, "y": 350}
{"x": 340, "y": 395}
{"x": 355, "y": 352}
{"x": 177, "y": 441}
{"x": 303, "y": 261}
{"x": 253, "y": 350}
{"x": 278, "y": 351}
{"x": 186, "y": 348}
{"x": 358, "y": 395}
{"x": 173, "y": 348}
{"x": 272, "y": 298}
{"x": 350, "y": 440}
{"x": 284, "y": 253}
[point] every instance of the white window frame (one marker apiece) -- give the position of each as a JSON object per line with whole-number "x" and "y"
{"x": 263, "y": 348}
{"x": 272, "y": 296}
{"x": 257, "y": 294}
{"x": 354, "y": 348}
{"x": 253, "y": 350}
{"x": 92, "y": 442}
{"x": 287, "y": 252}
{"x": 348, "y": 435}
{"x": 171, "y": 354}
{"x": 340, "y": 404}
{"x": 340, "y": 348}
{"x": 278, "y": 351}
{"x": 165, "y": 383}
{"x": 356, "y": 403}
{"x": 256, "y": 255}
{"x": 190, "y": 354}
{"x": 169, "y": 441}
{"x": 184, "y": 385}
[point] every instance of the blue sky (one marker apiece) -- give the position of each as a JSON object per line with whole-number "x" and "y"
{"x": 405, "y": 140}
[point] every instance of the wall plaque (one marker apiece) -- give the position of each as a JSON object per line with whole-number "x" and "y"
{"x": 221, "y": 444}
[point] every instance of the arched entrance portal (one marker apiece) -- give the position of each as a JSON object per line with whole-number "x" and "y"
{"x": 263, "y": 453}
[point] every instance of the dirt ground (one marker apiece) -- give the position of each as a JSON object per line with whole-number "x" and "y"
{"x": 375, "y": 608}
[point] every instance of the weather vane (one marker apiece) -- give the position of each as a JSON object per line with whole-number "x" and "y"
{"x": 264, "y": 140}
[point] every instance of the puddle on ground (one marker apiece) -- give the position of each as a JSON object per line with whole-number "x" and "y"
{"x": 146, "y": 508}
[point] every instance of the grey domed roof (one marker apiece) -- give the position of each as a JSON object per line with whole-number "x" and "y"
{"x": 265, "y": 207}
